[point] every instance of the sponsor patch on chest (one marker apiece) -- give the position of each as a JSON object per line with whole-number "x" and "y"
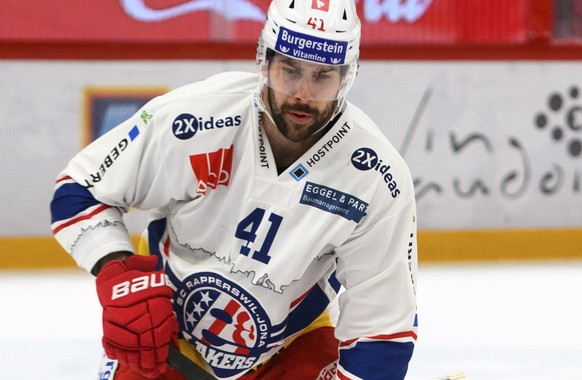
{"x": 333, "y": 201}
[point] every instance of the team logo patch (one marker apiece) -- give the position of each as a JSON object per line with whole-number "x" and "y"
{"x": 367, "y": 159}
{"x": 223, "y": 322}
{"x": 333, "y": 201}
{"x": 212, "y": 169}
{"x": 311, "y": 48}
{"x": 185, "y": 126}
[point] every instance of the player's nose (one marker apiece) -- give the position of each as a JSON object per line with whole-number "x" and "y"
{"x": 304, "y": 90}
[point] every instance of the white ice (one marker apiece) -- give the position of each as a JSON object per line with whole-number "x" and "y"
{"x": 519, "y": 321}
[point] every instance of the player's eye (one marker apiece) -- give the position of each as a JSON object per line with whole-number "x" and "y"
{"x": 292, "y": 71}
{"x": 320, "y": 75}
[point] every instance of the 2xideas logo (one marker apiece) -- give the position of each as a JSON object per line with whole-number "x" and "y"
{"x": 185, "y": 126}
{"x": 563, "y": 120}
{"x": 366, "y": 159}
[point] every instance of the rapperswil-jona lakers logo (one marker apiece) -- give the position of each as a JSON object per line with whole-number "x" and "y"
{"x": 225, "y": 324}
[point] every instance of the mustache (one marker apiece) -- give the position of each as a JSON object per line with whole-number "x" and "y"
{"x": 300, "y": 108}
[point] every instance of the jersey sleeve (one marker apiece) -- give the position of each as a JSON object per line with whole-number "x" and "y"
{"x": 377, "y": 325}
{"x": 119, "y": 170}
{"x": 142, "y": 163}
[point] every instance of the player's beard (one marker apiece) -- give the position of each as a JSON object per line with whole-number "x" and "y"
{"x": 294, "y": 131}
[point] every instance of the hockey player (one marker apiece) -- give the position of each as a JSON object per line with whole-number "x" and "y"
{"x": 271, "y": 198}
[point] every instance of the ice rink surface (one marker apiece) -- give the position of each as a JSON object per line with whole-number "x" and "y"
{"x": 502, "y": 321}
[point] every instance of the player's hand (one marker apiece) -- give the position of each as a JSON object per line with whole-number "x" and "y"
{"x": 138, "y": 320}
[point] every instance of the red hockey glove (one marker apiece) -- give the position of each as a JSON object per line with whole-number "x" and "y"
{"x": 138, "y": 319}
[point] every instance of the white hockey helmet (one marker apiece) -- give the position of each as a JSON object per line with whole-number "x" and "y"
{"x": 322, "y": 32}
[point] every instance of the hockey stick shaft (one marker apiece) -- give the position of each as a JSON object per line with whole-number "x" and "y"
{"x": 186, "y": 367}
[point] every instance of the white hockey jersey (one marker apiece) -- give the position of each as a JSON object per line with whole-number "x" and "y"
{"x": 255, "y": 256}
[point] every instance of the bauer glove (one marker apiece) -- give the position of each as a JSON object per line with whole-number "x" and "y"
{"x": 138, "y": 320}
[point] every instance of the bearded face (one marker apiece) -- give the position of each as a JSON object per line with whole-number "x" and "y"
{"x": 295, "y": 120}
{"x": 301, "y": 96}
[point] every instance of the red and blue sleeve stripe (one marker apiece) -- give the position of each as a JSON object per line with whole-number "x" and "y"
{"x": 377, "y": 357}
{"x": 72, "y": 203}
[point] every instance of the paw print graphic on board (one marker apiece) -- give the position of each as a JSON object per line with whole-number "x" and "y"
{"x": 563, "y": 120}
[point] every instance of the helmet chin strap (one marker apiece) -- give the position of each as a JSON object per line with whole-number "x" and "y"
{"x": 259, "y": 102}
{"x": 334, "y": 116}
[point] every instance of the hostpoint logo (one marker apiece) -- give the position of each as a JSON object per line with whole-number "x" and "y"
{"x": 298, "y": 172}
{"x": 563, "y": 120}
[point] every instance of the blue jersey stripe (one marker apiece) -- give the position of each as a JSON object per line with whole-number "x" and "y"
{"x": 307, "y": 311}
{"x": 377, "y": 360}
{"x": 69, "y": 200}
{"x": 156, "y": 230}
